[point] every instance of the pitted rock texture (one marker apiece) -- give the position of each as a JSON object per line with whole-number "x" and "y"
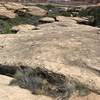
{"x": 69, "y": 49}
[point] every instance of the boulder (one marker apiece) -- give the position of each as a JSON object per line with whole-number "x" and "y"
{"x": 23, "y": 27}
{"x": 6, "y": 14}
{"x": 81, "y": 20}
{"x": 65, "y": 19}
{"x": 85, "y": 20}
{"x": 31, "y": 11}
{"x": 47, "y": 20}
{"x": 37, "y": 11}
{"x": 13, "y": 6}
{"x": 62, "y": 48}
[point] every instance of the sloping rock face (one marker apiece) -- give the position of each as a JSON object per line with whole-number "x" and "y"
{"x": 16, "y": 93}
{"x": 63, "y": 47}
{"x": 47, "y": 20}
{"x": 59, "y": 46}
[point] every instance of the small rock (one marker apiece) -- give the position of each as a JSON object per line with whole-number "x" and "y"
{"x": 23, "y": 27}
{"x": 81, "y": 20}
{"x": 14, "y": 6}
{"x": 33, "y": 11}
{"x": 98, "y": 32}
{"x": 6, "y": 14}
{"x": 47, "y": 20}
{"x": 85, "y": 20}
{"x": 36, "y": 11}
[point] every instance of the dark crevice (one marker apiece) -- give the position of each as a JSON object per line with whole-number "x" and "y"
{"x": 9, "y": 70}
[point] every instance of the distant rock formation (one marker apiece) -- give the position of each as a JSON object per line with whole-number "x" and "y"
{"x": 89, "y": 1}
{"x": 25, "y": 0}
{"x": 57, "y": 1}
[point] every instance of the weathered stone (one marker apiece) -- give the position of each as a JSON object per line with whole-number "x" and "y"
{"x": 6, "y": 14}
{"x": 65, "y": 19}
{"x": 37, "y": 11}
{"x": 81, "y": 20}
{"x": 31, "y": 11}
{"x": 13, "y": 6}
{"x": 47, "y": 20}
{"x": 23, "y": 27}
{"x": 84, "y": 20}
{"x": 71, "y": 50}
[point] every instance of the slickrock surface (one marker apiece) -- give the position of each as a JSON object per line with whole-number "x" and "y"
{"x": 63, "y": 47}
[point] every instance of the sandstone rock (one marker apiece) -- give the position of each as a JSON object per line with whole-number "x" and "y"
{"x": 13, "y": 6}
{"x": 47, "y": 20}
{"x": 16, "y": 93}
{"x": 6, "y": 14}
{"x": 85, "y": 20}
{"x": 2, "y": 8}
{"x": 31, "y": 11}
{"x": 71, "y": 50}
{"x": 23, "y": 27}
{"x": 37, "y": 11}
{"x": 65, "y": 19}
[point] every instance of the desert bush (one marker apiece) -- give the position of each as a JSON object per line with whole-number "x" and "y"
{"x": 41, "y": 81}
{"x": 5, "y": 27}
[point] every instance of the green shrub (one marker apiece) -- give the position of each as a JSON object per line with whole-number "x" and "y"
{"x": 5, "y": 27}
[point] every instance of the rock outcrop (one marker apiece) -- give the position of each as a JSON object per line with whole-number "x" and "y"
{"x": 6, "y": 14}
{"x": 63, "y": 47}
{"x": 47, "y": 20}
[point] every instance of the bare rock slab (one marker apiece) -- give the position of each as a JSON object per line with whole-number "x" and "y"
{"x": 6, "y": 14}
{"x": 31, "y": 11}
{"x": 13, "y": 6}
{"x": 73, "y": 52}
